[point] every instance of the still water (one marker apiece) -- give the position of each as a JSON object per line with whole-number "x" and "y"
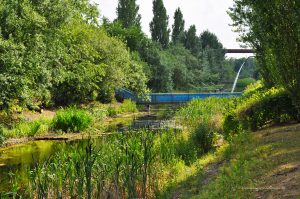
{"x": 15, "y": 161}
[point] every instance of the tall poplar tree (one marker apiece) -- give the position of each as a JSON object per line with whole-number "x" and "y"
{"x": 159, "y": 24}
{"x": 178, "y": 27}
{"x": 192, "y": 41}
{"x": 127, "y": 12}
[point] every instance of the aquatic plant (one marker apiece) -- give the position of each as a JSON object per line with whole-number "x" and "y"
{"x": 72, "y": 119}
{"x": 121, "y": 166}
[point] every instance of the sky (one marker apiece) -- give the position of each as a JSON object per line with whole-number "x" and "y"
{"x": 205, "y": 14}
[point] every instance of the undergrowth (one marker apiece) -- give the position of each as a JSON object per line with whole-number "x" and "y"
{"x": 27, "y": 129}
{"x": 72, "y": 119}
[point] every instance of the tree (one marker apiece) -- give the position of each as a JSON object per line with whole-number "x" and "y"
{"x": 132, "y": 36}
{"x": 210, "y": 41}
{"x": 192, "y": 41}
{"x": 54, "y": 53}
{"x": 127, "y": 12}
{"x": 178, "y": 27}
{"x": 213, "y": 51}
{"x": 159, "y": 24}
{"x": 272, "y": 29}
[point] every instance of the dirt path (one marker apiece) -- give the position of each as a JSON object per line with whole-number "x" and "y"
{"x": 198, "y": 181}
{"x": 283, "y": 178}
{"x": 274, "y": 156}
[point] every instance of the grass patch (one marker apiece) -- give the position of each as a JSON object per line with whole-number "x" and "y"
{"x": 72, "y": 120}
{"x": 263, "y": 164}
{"x": 27, "y": 129}
{"x": 126, "y": 107}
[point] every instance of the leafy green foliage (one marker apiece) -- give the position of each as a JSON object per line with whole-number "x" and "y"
{"x": 27, "y": 129}
{"x": 72, "y": 120}
{"x": 204, "y": 136}
{"x": 192, "y": 41}
{"x": 204, "y": 122}
{"x": 243, "y": 83}
{"x": 276, "y": 45}
{"x": 213, "y": 53}
{"x": 231, "y": 126}
{"x": 270, "y": 106}
{"x": 178, "y": 27}
{"x": 132, "y": 36}
{"x": 55, "y": 53}
{"x": 159, "y": 24}
{"x": 127, "y": 11}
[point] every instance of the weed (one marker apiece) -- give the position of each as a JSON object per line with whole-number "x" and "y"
{"x": 72, "y": 120}
{"x": 128, "y": 107}
{"x": 204, "y": 136}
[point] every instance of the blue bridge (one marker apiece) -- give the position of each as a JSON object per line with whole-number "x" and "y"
{"x": 169, "y": 98}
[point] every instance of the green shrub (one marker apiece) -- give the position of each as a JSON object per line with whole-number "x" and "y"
{"x": 72, "y": 120}
{"x": 186, "y": 150}
{"x": 204, "y": 137}
{"x": 231, "y": 126}
{"x": 99, "y": 113}
{"x": 128, "y": 106}
{"x": 113, "y": 111}
{"x": 198, "y": 110}
{"x": 243, "y": 83}
{"x": 265, "y": 107}
{"x": 254, "y": 89}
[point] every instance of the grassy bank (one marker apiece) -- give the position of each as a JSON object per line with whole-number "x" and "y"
{"x": 90, "y": 117}
{"x": 239, "y": 161}
{"x": 263, "y": 164}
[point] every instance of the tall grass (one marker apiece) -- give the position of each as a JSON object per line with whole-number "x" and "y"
{"x": 126, "y": 107}
{"x": 28, "y": 129}
{"x": 203, "y": 119}
{"x": 127, "y": 165}
{"x": 72, "y": 119}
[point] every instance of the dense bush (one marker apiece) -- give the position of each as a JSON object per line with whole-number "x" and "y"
{"x": 72, "y": 120}
{"x": 186, "y": 150}
{"x": 203, "y": 119}
{"x": 271, "y": 106}
{"x": 257, "y": 107}
{"x": 128, "y": 106}
{"x": 204, "y": 136}
{"x": 199, "y": 110}
{"x": 243, "y": 83}
{"x": 231, "y": 126}
{"x": 55, "y": 53}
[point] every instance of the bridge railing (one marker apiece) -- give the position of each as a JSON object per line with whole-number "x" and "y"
{"x": 160, "y": 98}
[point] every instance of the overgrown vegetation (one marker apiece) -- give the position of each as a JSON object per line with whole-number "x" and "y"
{"x": 27, "y": 129}
{"x": 259, "y": 107}
{"x": 67, "y": 120}
{"x": 276, "y": 46}
{"x": 72, "y": 120}
{"x": 61, "y": 57}
{"x": 126, "y": 165}
{"x": 260, "y": 165}
{"x": 55, "y": 53}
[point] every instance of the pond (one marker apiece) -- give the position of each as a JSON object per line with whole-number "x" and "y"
{"x": 15, "y": 161}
